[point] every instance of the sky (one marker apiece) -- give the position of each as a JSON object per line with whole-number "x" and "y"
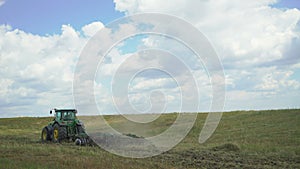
{"x": 257, "y": 42}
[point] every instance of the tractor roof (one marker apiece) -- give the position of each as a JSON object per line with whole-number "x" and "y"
{"x": 63, "y": 110}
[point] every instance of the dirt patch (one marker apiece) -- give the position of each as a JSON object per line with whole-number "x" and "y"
{"x": 125, "y": 144}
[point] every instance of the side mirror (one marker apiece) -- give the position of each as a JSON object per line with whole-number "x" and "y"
{"x": 52, "y": 111}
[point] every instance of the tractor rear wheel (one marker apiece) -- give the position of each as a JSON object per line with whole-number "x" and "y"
{"x": 46, "y": 134}
{"x": 59, "y": 133}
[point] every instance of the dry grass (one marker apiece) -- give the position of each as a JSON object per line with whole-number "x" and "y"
{"x": 260, "y": 139}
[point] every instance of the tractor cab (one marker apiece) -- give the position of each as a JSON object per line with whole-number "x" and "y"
{"x": 64, "y": 114}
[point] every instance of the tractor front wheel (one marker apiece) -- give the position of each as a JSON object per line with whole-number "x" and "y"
{"x": 59, "y": 133}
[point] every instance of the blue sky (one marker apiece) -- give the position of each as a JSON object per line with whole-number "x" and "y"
{"x": 40, "y": 41}
{"x": 46, "y": 17}
{"x": 288, "y": 4}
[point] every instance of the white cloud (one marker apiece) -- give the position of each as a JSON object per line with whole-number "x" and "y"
{"x": 258, "y": 45}
{"x": 90, "y": 29}
{"x": 275, "y": 80}
{"x": 37, "y": 71}
{"x": 4, "y": 86}
{"x": 151, "y": 83}
{"x": 244, "y": 32}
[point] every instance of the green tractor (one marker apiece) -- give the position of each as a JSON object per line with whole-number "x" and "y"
{"x": 65, "y": 126}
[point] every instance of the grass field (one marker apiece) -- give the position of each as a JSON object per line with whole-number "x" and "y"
{"x": 243, "y": 139}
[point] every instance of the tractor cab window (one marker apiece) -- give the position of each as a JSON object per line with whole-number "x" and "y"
{"x": 72, "y": 115}
{"x": 58, "y": 115}
{"x": 68, "y": 115}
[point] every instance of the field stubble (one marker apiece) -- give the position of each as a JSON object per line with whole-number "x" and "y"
{"x": 243, "y": 139}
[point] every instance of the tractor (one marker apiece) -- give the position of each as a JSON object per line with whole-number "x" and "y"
{"x": 65, "y": 126}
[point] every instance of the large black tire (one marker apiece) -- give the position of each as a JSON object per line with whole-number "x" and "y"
{"x": 59, "y": 133}
{"x": 46, "y": 134}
